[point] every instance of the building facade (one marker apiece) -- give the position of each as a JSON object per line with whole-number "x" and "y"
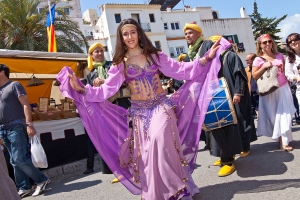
{"x": 165, "y": 28}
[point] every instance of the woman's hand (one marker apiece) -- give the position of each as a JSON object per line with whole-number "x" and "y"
{"x": 74, "y": 83}
{"x": 98, "y": 81}
{"x": 267, "y": 65}
{"x": 214, "y": 49}
{"x": 211, "y": 54}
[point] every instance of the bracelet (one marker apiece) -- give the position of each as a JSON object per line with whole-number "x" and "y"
{"x": 82, "y": 92}
{"x": 208, "y": 58}
{"x": 29, "y": 124}
{"x": 203, "y": 61}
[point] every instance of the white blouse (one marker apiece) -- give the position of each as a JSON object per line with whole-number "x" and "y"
{"x": 291, "y": 69}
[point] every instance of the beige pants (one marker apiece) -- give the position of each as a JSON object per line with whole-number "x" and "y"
{"x": 8, "y": 190}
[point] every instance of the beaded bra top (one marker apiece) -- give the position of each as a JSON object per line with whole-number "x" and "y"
{"x": 145, "y": 81}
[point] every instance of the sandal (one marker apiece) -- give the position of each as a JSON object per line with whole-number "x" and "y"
{"x": 286, "y": 148}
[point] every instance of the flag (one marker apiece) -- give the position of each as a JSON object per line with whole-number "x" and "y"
{"x": 50, "y": 29}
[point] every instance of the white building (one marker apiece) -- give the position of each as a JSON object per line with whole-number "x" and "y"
{"x": 165, "y": 28}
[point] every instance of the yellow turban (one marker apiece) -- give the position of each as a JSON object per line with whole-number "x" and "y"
{"x": 215, "y": 38}
{"x": 91, "y": 49}
{"x": 181, "y": 57}
{"x": 195, "y": 27}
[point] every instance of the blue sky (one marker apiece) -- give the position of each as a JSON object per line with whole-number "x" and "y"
{"x": 231, "y": 9}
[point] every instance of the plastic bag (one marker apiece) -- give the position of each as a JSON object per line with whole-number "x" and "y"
{"x": 38, "y": 156}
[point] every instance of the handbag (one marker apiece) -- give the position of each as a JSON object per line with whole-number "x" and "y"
{"x": 38, "y": 155}
{"x": 268, "y": 81}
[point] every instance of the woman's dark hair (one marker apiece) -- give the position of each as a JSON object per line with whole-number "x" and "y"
{"x": 144, "y": 43}
{"x": 289, "y": 51}
{"x": 5, "y": 68}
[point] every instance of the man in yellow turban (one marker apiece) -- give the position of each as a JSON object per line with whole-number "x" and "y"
{"x": 99, "y": 72}
{"x": 234, "y": 139}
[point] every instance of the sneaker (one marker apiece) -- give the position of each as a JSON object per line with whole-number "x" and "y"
{"x": 40, "y": 188}
{"x": 24, "y": 193}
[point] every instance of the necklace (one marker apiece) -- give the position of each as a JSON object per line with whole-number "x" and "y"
{"x": 135, "y": 53}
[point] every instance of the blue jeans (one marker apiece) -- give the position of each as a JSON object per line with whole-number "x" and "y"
{"x": 15, "y": 139}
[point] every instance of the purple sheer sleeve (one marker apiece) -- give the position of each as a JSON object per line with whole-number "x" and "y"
{"x": 179, "y": 70}
{"x": 106, "y": 125}
{"x": 111, "y": 85}
{"x": 192, "y": 101}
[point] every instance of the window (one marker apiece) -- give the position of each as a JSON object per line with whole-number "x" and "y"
{"x": 157, "y": 44}
{"x": 41, "y": 10}
{"x": 67, "y": 11}
{"x": 179, "y": 50}
{"x": 166, "y": 26}
{"x": 105, "y": 48}
{"x": 215, "y": 15}
{"x": 151, "y": 16}
{"x": 118, "y": 18}
{"x": 175, "y": 25}
{"x": 172, "y": 52}
{"x": 232, "y": 38}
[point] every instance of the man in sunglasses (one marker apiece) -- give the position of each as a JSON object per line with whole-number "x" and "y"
{"x": 230, "y": 140}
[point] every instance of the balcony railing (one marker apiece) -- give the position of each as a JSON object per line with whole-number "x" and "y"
{"x": 146, "y": 27}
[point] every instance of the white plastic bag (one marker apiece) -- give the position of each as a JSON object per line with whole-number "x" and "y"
{"x": 38, "y": 156}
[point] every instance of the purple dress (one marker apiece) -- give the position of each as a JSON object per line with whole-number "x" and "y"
{"x": 156, "y": 156}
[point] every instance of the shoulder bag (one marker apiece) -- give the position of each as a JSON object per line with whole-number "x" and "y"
{"x": 268, "y": 81}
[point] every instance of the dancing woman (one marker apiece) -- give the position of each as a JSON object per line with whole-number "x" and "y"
{"x": 157, "y": 159}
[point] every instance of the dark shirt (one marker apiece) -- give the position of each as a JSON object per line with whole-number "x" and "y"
{"x": 10, "y": 106}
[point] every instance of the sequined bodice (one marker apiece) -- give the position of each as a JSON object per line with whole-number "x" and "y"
{"x": 144, "y": 79}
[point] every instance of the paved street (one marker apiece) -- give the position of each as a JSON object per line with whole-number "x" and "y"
{"x": 267, "y": 173}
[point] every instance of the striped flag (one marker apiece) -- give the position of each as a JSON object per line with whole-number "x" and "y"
{"x": 50, "y": 29}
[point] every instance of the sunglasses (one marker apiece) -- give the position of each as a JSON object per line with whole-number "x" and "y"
{"x": 267, "y": 41}
{"x": 293, "y": 40}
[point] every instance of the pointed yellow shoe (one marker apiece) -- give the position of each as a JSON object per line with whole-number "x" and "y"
{"x": 244, "y": 154}
{"x": 217, "y": 163}
{"x": 115, "y": 180}
{"x": 226, "y": 170}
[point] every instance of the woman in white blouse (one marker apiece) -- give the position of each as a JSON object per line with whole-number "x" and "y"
{"x": 292, "y": 62}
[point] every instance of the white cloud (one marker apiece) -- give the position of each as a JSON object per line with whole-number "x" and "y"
{"x": 289, "y": 25}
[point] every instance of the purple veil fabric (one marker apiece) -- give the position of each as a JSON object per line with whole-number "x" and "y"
{"x": 192, "y": 101}
{"x": 107, "y": 126}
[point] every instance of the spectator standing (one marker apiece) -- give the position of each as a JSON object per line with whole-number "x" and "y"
{"x": 292, "y": 65}
{"x": 15, "y": 127}
{"x": 99, "y": 67}
{"x": 275, "y": 109}
{"x": 252, "y": 85}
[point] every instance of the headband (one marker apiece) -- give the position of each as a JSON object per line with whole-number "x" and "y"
{"x": 127, "y": 25}
{"x": 264, "y": 36}
{"x": 91, "y": 49}
{"x": 193, "y": 26}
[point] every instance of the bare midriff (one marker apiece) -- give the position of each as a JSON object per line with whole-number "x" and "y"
{"x": 146, "y": 90}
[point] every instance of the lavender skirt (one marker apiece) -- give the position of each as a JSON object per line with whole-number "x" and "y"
{"x": 155, "y": 152}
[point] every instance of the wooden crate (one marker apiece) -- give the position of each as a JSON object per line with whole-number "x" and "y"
{"x": 50, "y": 114}
{"x": 68, "y": 113}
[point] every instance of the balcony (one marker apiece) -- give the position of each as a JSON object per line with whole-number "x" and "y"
{"x": 146, "y": 27}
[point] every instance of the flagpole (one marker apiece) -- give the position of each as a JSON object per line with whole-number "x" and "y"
{"x": 50, "y": 11}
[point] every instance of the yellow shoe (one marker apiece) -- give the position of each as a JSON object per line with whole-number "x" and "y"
{"x": 244, "y": 154}
{"x": 115, "y": 180}
{"x": 226, "y": 170}
{"x": 217, "y": 163}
